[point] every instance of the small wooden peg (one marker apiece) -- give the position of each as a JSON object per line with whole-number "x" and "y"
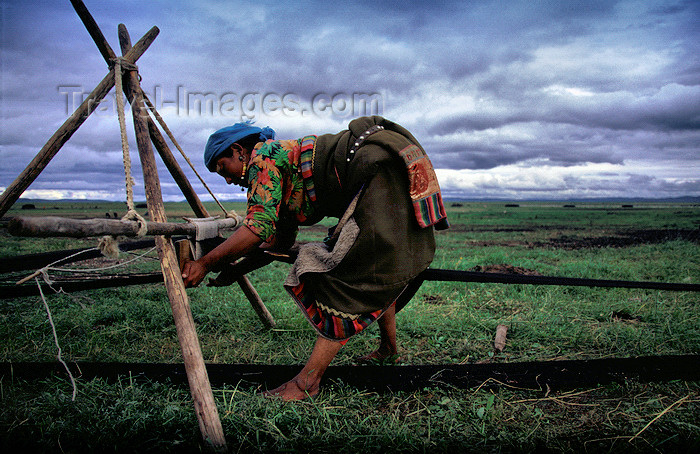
{"x": 500, "y": 342}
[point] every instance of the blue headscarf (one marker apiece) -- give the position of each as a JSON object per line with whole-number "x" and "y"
{"x": 225, "y": 137}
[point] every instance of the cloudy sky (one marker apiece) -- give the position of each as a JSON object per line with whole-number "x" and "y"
{"x": 519, "y": 99}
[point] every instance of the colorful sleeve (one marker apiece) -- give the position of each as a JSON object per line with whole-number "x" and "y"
{"x": 264, "y": 197}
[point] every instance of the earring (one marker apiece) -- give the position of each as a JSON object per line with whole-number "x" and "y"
{"x": 240, "y": 158}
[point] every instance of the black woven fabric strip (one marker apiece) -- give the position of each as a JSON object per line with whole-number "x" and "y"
{"x": 544, "y": 375}
{"x": 474, "y": 276}
{"x": 10, "y": 291}
{"x": 13, "y": 291}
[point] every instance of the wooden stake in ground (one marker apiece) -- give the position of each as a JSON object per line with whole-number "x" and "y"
{"x": 500, "y": 342}
{"x": 205, "y": 406}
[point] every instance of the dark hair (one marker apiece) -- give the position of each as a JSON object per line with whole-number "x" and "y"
{"x": 248, "y": 143}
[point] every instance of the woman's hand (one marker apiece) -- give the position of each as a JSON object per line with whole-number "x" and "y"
{"x": 193, "y": 273}
{"x": 237, "y": 245}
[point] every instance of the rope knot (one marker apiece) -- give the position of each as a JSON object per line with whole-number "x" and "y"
{"x": 109, "y": 247}
{"x": 123, "y": 64}
{"x": 132, "y": 215}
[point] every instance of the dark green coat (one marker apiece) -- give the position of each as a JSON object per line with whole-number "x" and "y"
{"x": 386, "y": 248}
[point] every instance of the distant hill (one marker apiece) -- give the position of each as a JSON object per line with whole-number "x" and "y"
{"x": 23, "y": 200}
{"x": 683, "y": 199}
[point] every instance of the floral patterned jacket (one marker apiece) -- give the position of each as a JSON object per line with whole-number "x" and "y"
{"x": 278, "y": 195}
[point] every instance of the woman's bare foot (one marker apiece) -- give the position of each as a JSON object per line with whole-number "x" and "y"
{"x": 294, "y": 389}
{"x": 307, "y": 382}
{"x": 382, "y": 355}
{"x": 387, "y": 351}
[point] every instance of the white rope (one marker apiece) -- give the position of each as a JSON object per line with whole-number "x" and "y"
{"x": 55, "y": 337}
{"x": 131, "y": 213}
{"x": 44, "y": 271}
{"x": 92, "y": 270}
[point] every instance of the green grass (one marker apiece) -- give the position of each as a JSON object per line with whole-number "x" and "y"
{"x": 132, "y": 416}
{"x": 444, "y": 323}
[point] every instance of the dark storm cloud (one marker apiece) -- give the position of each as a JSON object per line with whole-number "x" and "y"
{"x": 599, "y": 94}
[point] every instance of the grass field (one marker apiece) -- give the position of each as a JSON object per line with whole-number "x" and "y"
{"x": 445, "y": 323}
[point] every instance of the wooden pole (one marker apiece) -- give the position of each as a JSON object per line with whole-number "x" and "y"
{"x": 258, "y": 306}
{"x": 94, "y": 30}
{"x": 205, "y": 406}
{"x": 61, "y": 136}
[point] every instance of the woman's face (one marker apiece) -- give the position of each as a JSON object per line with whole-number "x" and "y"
{"x": 230, "y": 168}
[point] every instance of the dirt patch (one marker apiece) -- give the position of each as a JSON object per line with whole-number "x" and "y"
{"x": 505, "y": 269}
{"x": 435, "y": 299}
{"x": 619, "y": 238}
{"x": 624, "y": 316}
{"x": 622, "y": 238}
{"x": 501, "y": 229}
